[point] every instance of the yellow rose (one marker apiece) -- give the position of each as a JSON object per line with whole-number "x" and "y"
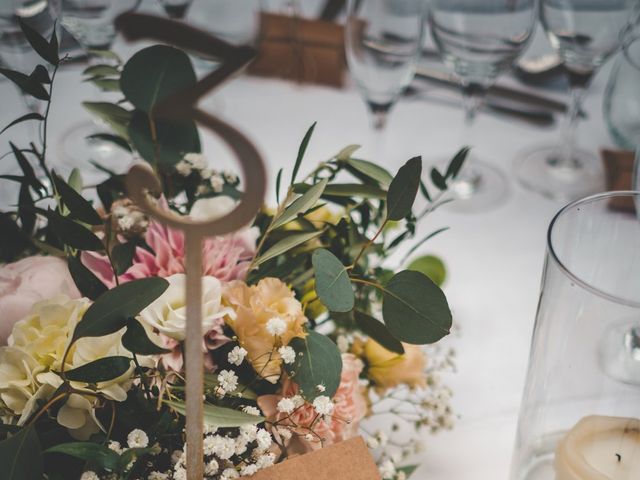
{"x": 388, "y": 369}
{"x": 35, "y": 353}
{"x": 267, "y": 316}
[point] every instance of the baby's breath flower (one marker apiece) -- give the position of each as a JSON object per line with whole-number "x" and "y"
{"x": 137, "y": 439}
{"x": 323, "y": 405}
{"x": 230, "y": 177}
{"x": 285, "y": 433}
{"x": 216, "y": 182}
{"x": 229, "y": 473}
{"x": 196, "y": 160}
{"x": 175, "y": 456}
{"x": 372, "y": 443}
{"x": 211, "y": 468}
{"x": 158, "y": 476}
{"x": 401, "y": 475}
{"x": 266, "y": 460}
{"x": 298, "y": 400}
{"x": 387, "y": 469}
{"x": 286, "y": 405}
{"x": 228, "y": 380}
{"x": 210, "y": 429}
{"x": 248, "y": 432}
{"x": 115, "y": 446}
{"x": 89, "y": 475}
{"x": 276, "y": 326}
{"x": 263, "y": 439}
{"x": 251, "y": 410}
{"x": 206, "y": 173}
{"x": 288, "y": 354}
{"x": 320, "y": 388}
{"x": 248, "y": 470}
{"x": 236, "y": 356}
{"x": 183, "y": 168}
{"x": 343, "y": 343}
{"x": 309, "y": 437}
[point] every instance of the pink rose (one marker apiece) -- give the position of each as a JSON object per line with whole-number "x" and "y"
{"x": 350, "y": 407}
{"x": 28, "y": 281}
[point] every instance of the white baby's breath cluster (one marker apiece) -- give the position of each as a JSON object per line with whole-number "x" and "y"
{"x": 412, "y": 411}
{"x": 228, "y": 454}
{"x": 212, "y": 180}
{"x": 128, "y": 219}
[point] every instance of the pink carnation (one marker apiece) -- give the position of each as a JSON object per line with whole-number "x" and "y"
{"x": 350, "y": 407}
{"x": 226, "y": 257}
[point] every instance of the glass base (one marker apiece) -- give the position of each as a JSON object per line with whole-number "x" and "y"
{"x": 479, "y": 187}
{"x": 620, "y": 352}
{"x": 540, "y": 170}
{"x": 77, "y": 151}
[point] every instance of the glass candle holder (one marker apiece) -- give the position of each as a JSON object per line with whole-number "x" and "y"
{"x": 580, "y": 414}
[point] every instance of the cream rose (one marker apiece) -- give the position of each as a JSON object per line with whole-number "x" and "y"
{"x": 267, "y": 316}
{"x": 28, "y": 281}
{"x": 212, "y": 208}
{"x": 168, "y": 313}
{"x": 387, "y": 369}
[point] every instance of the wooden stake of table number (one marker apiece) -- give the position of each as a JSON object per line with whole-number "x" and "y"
{"x": 144, "y": 187}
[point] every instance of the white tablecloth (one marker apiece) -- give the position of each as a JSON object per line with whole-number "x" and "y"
{"x": 494, "y": 259}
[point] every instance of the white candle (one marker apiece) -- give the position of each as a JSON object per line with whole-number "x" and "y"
{"x": 600, "y": 448}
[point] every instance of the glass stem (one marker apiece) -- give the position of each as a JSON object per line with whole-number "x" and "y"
{"x": 469, "y": 179}
{"x": 379, "y": 115}
{"x": 567, "y": 159}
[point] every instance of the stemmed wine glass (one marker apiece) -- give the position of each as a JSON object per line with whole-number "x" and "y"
{"x": 91, "y": 24}
{"x": 383, "y": 43}
{"x": 176, "y": 9}
{"x": 585, "y": 33}
{"x": 479, "y": 40}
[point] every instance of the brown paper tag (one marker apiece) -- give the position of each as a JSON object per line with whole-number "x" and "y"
{"x": 294, "y": 48}
{"x": 348, "y": 460}
{"x": 618, "y": 165}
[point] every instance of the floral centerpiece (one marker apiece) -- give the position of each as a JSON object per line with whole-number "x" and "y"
{"x": 307, "y": 332}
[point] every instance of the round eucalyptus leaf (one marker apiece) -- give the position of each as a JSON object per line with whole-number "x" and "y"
{"x": 333, "y": 285}
{"x": 415, "y": 309}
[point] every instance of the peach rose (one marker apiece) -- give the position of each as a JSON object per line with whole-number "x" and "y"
{"x": 257, "y": 307}
{"x": 28, "y": 281}
{"x": 388, "y": 369}
{"x": 350, "y": 407}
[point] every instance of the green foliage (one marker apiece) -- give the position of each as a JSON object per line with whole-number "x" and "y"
{"x": 21, "y": 456}
{"x": 111, "y": 310}
{"x": 302, "y": 149}
{"x": 403, "y": 189}
{"x": 332, "y": 281}
{"x": 101, "y": 370}
{"x": 414, "y": 308}
{"x": 377, "y": 331}
{"x": 432, "y": 266}
{"x": 73, "y": 234}
{"x": 153, "y": 74}
{"x": 300, "y": 205}
{"x": 88, "y": 284}
{"x": 79, "y": 208}
{"x": 221, "y": 417}
{"x": 96, "y": 454}
{"x": 136, "y": 340}
{"x": 122, "y": 256}
{"x": 318, "y": 362}
{"x": 286, "y": 244}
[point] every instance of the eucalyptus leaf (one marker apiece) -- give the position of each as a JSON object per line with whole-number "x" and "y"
{"x": 136, "y": 340}
{"x": 221, "y": 417}
{"x": 378, "y": 332}
{"x": 78, "y": 206}
{"x": 106, "y": 84}
{"x": 332, "y": 285}
{"x": 40, "y": 74}
{"x": 173, "y": 139}
{"x": 107, "y": 54}
{"x": 438, "y": 180}
{"x": 318, "y": 362}
{"x": 301, "y": 151}
{"x": 346, "y": 190}
{"x": 301, "y": 204}
{"x": 101, "y": 370}
{"x": 99, "y": 455}
{"x": 73, "y": 234}
{"x": 278, "y": 181}
{"x": 154, "y": 73}
{"x": 110, "y": 312}
{"x": 415, "y": 309}
{"x": 101, "y": 70}
{"x": 403, "y": 189}
{"x": 115, "y": 139}
{"x": 88, "y": 284}
{"x": 285, "y": 245}
{"x": 27, "y": 169}
{"x": 26, "y": 210}
{"x": 122, "y": 255}
{"x": 117, "y": 117}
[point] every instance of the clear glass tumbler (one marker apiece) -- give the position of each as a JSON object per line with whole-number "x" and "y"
{"x": 580, "y": 414}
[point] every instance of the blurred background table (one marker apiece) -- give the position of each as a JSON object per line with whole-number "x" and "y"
{"x": 494, "y": 259}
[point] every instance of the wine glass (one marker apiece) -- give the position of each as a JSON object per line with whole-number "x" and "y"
{"x": 383, "y": 43}
{"x": 478, "y": 41}
{"x": 621, "y": 100}
{"x": 584, "y": 33}
{"x": 91, "y": 24}
{"x": 176, "y": 9}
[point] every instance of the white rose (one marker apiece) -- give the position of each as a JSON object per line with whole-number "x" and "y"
{"x": 168, "y": 313}
{"x": 212, "y": 208}
{"x": 17, "y": 383}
